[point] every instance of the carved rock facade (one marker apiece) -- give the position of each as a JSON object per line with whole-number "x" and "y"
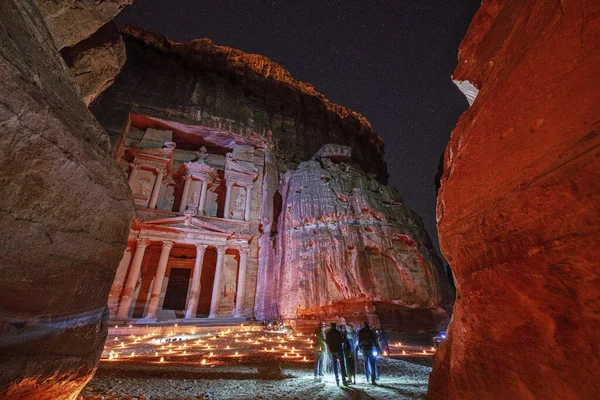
{"x": 326, "y": 237}
{"x": 518, "y": 207}
{"x": 65, "y": 212}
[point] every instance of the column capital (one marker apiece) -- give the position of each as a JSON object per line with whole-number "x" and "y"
{"x": 250, "y": 185}
{"x": 167, "y": 244}
{"x": 143, "y": 243}
{"x": 200, "y": 247}
{"x": 229, "y": 184}
{"x": 188, "y": 178}
{"x": 221, "y": 249}
{"x": 135, "y": 166}
{"x": 244, "y": 251}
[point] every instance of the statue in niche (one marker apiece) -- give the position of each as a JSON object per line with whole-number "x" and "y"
{"x": 195, "y": 197}
{"x": 201, "y": 155}
{"x": 229, "y": 289}
{"x": 144, "y": 187}
{"x": 239, "y": 201}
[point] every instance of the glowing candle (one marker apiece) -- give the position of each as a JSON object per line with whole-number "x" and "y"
{"x": 133, "y": 354}
{"x": 404, "y": 352}
{"x": 203, "y": 362}
{"x": 162, "y": 359}
{"x": 424, "y": 352}
{"x": 236, "y": 354}
{"x": 211, "y": 354}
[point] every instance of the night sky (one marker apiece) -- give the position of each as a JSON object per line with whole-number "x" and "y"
{"x": 391, "y": 61}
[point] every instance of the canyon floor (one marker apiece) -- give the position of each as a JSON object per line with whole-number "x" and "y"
{"x": 243, "y": 365}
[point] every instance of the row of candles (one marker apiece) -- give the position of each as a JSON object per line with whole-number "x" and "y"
{"x": 218, "y": 345}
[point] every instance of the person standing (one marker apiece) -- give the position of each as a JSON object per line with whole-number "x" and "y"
{"x": 321, "y": 349}
{"x": 384, "y": 342}
{"x": 350, "y": 352}
{"x": 369, "y": 345}
{"x": 335, "y": 344}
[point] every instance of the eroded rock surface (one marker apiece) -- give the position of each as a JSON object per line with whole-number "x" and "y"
{"x": 71, "y": 21}
{"x": 96, "y": 61}
{"x": 200, "y": 83}
{"x": 64, "y": 210}
{"x": 518, "y": 207}
{"x": 346, "y": 246}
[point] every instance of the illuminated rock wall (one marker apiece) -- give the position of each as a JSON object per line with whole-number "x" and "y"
{"x": 65, "y": 210}
{"x": 340, "y": 222}
{"x": 347, "y": 246}
{"x": 200, "y": 83}
{"x": 518, "y": 207}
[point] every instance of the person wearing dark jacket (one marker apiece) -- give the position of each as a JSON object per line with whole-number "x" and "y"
{"x": 335, "y": 344}
{"x": 369, "y": 345}
{"x": 321, "y": 352}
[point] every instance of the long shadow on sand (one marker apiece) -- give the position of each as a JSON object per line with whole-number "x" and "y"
{"x": 271, "y": 372}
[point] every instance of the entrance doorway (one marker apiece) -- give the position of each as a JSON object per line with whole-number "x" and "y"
{"x": 207, "y": 279}
{"x": 177, "y": 288}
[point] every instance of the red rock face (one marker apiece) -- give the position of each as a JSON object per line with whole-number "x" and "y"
{"x": 65, "y": 210}
{"x": 518, "y": 207}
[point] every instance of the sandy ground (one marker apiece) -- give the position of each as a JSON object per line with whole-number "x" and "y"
{"x": 280, "y": 372}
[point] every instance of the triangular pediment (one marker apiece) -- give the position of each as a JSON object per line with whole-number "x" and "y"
{"x": 188, "y": 222}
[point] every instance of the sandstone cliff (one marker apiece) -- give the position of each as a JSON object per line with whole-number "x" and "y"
{"x": 216, "y": 86}
{"x": 71, "y": 21}
{"x": 345, "y": 245}
{"x": 96, "y": 61}
{"x": 335, "y": 242}
{"x": 64, "y": 210}
{"x": 518, "y": 207}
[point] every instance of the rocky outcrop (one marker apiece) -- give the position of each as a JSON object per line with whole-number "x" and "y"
{"x": 96, "y": 61}
{"x": 64, "y": 210}
{"x": 346, "y": 246}
{"x": 71, "y": 21}
{"x": 518, "y": 207}
{"x": 228, "y": 89}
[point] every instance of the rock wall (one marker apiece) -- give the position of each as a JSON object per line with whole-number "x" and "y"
{"x": 346, "y": 246}
{"x": 71, "y": 21}
{"x": 199, "y": 83}
{"x": 96, "y": 61}
{"x": 64, "y": 210}
{"x": 518, "y": 207}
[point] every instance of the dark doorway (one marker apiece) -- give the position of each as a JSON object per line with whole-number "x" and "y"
{"x": 277, "y": 205}
{"x": 177, "y": 288}
{"x": 206, "y": 282}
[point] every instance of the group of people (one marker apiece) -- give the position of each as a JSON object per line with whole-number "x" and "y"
{"x": 341, "y": 347}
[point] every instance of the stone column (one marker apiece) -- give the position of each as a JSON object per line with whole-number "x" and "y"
{"x": 134, "y": 272}
{"x": 241, "y": 283}
{"x": 202, "y": 198}
{"x": 248, "y": 202}
{"x": 117, "y": 285}
{"x": 227, "y": 200}
{"x": 214, "y": 303}
{"x": 156, "y": 189}
{"x": 135, "y": 169}
{"x": 186, "y": 192}
{"x": 158, "y": 279}
{"x": 192, "y": 303}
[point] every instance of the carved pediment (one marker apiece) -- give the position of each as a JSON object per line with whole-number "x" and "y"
{"x": 188, "y": 222}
